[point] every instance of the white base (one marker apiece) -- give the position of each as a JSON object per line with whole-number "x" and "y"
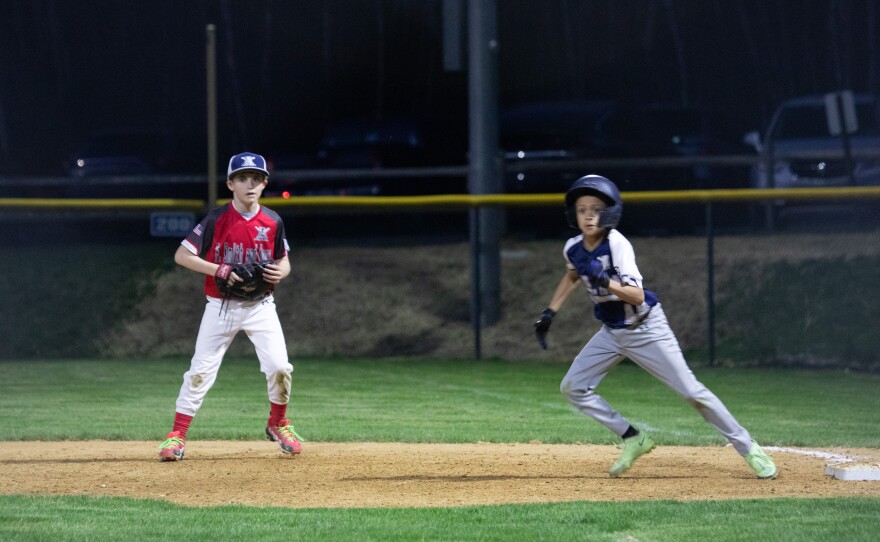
{"x": 854, "y": 471}
{"x": 841, "y": 467}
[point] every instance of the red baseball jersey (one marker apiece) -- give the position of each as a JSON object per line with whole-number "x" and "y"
{"x": 225, "y": 236}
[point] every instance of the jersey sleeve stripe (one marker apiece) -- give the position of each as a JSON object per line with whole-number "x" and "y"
{"x": 190, "y": 247}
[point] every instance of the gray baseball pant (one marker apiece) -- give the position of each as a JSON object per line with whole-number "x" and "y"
{"x": 653, "y": 347}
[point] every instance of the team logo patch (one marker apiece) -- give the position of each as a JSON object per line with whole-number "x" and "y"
{"x": 261, "y": 233}
{"x": 248, "y": 161}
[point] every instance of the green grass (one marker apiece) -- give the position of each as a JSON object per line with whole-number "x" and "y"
{"x": 86, "y": 518}
{"x": 415, "y": 400}
{"x": 426, "y": 401}
{"x": 821, "y": 319}
{"x": 93, "y": 287}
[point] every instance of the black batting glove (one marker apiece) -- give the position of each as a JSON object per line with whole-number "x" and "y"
{"x": 597, "y": 274}
{"x": 542, "y": 326}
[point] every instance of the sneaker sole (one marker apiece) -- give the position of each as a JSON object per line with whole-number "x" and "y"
{"x": 165, "y": 458}
{"x": 771, "y": 477}
{"x": 615, "y": 475}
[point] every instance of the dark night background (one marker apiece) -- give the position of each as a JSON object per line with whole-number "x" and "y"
{"x": 287, "y": 69}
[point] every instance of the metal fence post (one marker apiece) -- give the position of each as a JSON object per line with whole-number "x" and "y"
{"x": 211, "y": 68}
{"x": 710, "y": 282}
{"x": 476, "y": 291}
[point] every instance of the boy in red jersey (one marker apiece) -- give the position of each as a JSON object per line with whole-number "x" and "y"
{"x": 236, "y": 233}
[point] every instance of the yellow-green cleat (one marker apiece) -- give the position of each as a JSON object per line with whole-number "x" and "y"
{"x": 761, "y": 463}
{"x": 633, "y": 448}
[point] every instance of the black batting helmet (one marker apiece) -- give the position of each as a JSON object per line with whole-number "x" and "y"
{"x": 602, "y": 188}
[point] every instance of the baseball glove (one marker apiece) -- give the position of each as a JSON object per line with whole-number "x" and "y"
{"x": 542, "y": 326}
{"x": 251, "y": 286}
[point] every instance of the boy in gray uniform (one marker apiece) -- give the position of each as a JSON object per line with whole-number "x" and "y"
{"x": 635, "y": 327}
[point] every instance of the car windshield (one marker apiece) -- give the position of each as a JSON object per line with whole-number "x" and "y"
{"x": 361, "y": 135}
{"x": 540, "y": 140}
{"x": 552, "y": 125}
{"x": 659, "y": 125}
{"x": 809, "y": 121}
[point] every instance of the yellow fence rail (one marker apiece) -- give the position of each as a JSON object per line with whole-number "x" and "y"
{"x": 461, "y": 200}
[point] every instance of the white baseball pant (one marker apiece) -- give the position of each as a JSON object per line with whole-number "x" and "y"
{"x": 220, "y": 323}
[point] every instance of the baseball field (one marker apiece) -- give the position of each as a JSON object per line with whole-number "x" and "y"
{"x": 410, "y": 448}
{"x": 409, "y": 438}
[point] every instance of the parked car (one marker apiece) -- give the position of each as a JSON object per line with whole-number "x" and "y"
{"x": 552, "y": 134}
{"x": 136, "y": 164}
{"x": 121, "y": 153}
{"x": 548, "y": 145}
{"x": 566, "y": 132}
{"x": 654, "y": 131}
{"x": 284, "y": 167}
{"x": 370, "y": 147}
{"x": 805, "y": 154}
{"x": 373, "y": 143}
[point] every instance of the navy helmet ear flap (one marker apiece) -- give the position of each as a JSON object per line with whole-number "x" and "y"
{"x": 571, "y": 216}
{"x": 602, "y": 188}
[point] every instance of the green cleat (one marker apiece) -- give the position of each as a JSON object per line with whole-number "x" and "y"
{"x": 760, "y": 462}
{"x": 633, "y": 448}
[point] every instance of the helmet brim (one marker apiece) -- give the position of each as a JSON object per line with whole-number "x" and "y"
{"x": 572, "y": 195}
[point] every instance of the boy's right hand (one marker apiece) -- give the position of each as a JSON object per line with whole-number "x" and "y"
{"x": 223, "y": 271}
{"x": 597, "y": 274}
{"x": 542, "y": 326}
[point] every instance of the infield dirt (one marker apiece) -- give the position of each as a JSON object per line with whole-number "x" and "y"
{"x": 407, "y": 475}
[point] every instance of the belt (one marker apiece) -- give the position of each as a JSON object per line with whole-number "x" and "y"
{"x": 641, "y": 320}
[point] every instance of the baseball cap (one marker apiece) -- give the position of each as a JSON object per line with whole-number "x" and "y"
{"x": 246, "y": 161}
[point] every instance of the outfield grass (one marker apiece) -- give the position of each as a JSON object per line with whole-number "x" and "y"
{"x": 413, "y": 400}
{"x": 85, "y": 518}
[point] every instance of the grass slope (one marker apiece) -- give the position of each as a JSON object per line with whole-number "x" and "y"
{"x": 779, "y": 301}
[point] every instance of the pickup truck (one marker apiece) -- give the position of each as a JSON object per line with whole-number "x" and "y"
{"x": 803, "y": 153}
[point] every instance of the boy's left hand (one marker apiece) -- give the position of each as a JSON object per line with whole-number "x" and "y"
{"x": 542, "y": 326}
{"x": 272, "y": 273}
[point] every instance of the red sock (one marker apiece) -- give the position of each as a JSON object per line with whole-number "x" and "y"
{"x": 277, "y": 414}
{"x": 181, "y": 423}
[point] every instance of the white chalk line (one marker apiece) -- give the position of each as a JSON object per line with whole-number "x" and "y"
{"x": 837, "y": 458}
